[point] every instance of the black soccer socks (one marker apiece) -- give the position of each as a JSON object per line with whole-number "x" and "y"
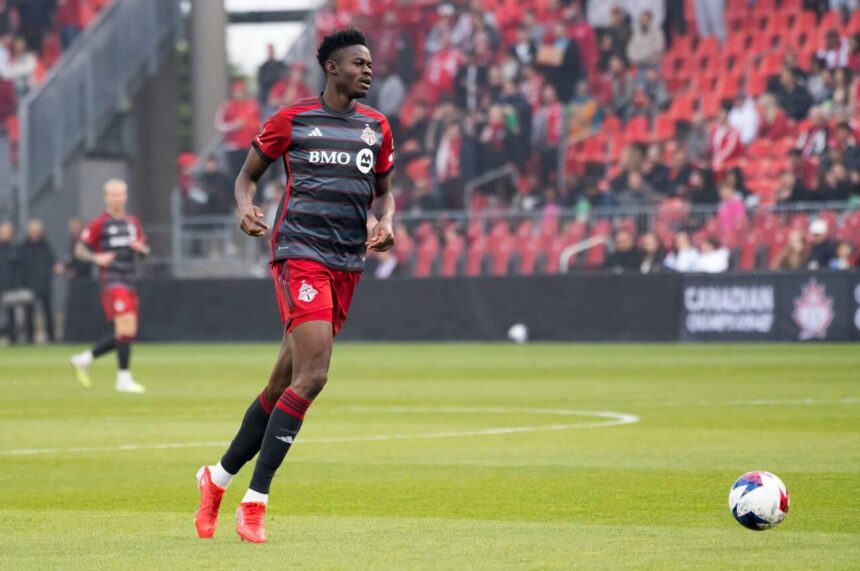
{"x": 247, "y": 441}
{"x": 105, "y": 345}
{"x": 283, "y": 427}
{"x": 123, "y": 353}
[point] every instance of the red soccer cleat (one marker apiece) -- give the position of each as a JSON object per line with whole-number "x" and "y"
{"x": 210, "y": 500}
{"x": 249, "y": 522}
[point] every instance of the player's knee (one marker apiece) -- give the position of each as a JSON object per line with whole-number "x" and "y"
{"x": 311, "y": 383}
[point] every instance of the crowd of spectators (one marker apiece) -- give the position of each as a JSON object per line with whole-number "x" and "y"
{"x": 521, "y": 91}
{"x": 33, "y": 35}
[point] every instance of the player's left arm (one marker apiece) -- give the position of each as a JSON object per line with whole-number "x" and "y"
{"x": 381, "y": 237}
{"x": 140, "y": 245}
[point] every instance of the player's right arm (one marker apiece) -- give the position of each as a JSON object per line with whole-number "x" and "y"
{"x": 86, "y": 248}
{"x": 272, "y": 142}
{"x": 250, "y": 216}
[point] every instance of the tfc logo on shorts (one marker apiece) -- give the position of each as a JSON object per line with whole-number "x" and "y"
{"x": 119, "y": 300}
{"x": 310, "y": 291}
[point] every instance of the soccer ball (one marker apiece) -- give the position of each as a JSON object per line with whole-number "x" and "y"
{"x": 758, "y": 500}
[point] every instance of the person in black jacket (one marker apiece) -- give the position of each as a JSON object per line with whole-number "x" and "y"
{"x": 8, "y": 278}
{"x": 38, "y": 265}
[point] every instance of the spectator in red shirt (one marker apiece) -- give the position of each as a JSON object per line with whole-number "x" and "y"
{"x": 289, "y": 88}
{"x": 238, "y": 119}
{"x": 725, "y": 141}
{"x": 71, "y": 19}
{"x": 547, "y": 128}
{"x": 773, "y": 124}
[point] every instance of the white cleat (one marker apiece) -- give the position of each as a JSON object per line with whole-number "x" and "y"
{"x": 81, "y": 365}
{"x": 126, "y": 384}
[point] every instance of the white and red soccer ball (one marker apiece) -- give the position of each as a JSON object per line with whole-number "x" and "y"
{"x": 758, "y": 500}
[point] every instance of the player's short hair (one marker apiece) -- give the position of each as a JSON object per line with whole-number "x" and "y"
{"x": 338, "y": 40}
{"x": 114, "y": 182}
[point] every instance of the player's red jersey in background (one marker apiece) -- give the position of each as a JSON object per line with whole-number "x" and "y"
{"x": 333, "y": 161}
{"x": 115, "y": 235}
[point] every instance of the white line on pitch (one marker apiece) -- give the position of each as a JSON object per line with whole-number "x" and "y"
{"x": 612, "y": 419}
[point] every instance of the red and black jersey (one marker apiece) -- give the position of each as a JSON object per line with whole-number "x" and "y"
{"x": 108, "y": 234}
{"x": 333, "y": 161}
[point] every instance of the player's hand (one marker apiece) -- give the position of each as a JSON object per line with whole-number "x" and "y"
{"x": 139, "y": 247}
{"x": 251, "y": 221}
{"x": 381, "y": 238}
{"x": 104, "y": 259}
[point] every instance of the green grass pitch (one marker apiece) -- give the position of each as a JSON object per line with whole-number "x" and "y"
{"x": 457, "y": 456}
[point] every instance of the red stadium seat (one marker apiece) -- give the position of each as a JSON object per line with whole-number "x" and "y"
{"x": 637, "y": 129}
{"x": 501, "y": 252}
{"x": 756, "y": 84}
{"x": 528, "y": 252}
{"x": 475, "y": 257}
{"x": 761, "y": 148}
{"x": 451, "y": 255}
{"x": 664, "y": 127}
{"x": 749, "y": 252}
{"x": 710, "y": 104}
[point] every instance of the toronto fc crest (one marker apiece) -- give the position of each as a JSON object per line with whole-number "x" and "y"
{"x": 368, "y": 136}
{"x": 813, "y": 311}
{"x": 307, "y": 293}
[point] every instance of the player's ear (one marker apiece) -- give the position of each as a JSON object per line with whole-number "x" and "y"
{"x": 331, "y": 67}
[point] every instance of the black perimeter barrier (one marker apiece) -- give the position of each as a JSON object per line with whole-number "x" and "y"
{"x": 659, "y": 307}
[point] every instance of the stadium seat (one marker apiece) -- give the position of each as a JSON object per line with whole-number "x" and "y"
{"x": 749, "y": 253}
{"x": 475, "y": 257}
{"x": 452, "y": 253}
{"x": 760, "y": 148}
{"x": 501, "y": 252}
{"x": 664, "y": 127}
{"x": 528, "y": 254}
{"x": 637, "y": 129}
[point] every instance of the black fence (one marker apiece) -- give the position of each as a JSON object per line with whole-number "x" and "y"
{"x": 661, "y": 307}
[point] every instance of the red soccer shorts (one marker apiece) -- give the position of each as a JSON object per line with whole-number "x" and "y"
{"x": 119, "y": 300}
{"x": 310, "y": 291}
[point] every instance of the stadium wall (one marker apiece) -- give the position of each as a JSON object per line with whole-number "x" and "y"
{"x": 662, "y": 307}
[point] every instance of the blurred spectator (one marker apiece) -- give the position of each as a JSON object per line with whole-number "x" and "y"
{"x": 675, "y": 23}
{"x": 813, "y": 140}
{"x": 790, "y": 189}
{"x": 823, "y": 249}
{"x": 584, "y": 114}
{"x": 520, "y": 111}
{"x": 448, "y": 166}
{"x": 621, "y": 86}
{"x": 390, "y": 97}
{"x": 8, "y": 279}
{"x": 470, "y": 83}
{"x": 523, "y": 49}
{"x": 819, "y": 83}
{"x": 439, "y": 37}
{"x": 386, "y": 265}
{"x": 442, "y": 67}
{"x": 795, "y": 255}
{"x": 842, "y": 101}
{"x": 731, "y": 211}
{"x": 652, "y": 254}
{"x": 38, "y": 264}
{"x": 238, "y": 119}
{"x": 647, "y": 45}
{"x": 844, "y": 259}
{"x": 8, "y": 101}
{"x": 837, "y": 185}
{"x": 21, "y": 69}
{"x": 214, "y": 190}
{"x": 70, "y": 18}
{"x": 711, "y": 18}
{"x": 793, "y": 97}
{"x": 684, "y": 258}
{"x": 626, "y": 257}
{"x": 560, "y": 61}
{"x": 654, "y": 88}
{"x": 655, "y": 172}
{"x": 713, "y": 258}
{"x": 547, "y": 127}
{"x": 725, "y": 141}
{"x": 835, "y": 51}
{"x": 773, "y": 123}
{"x": 10, "y": 22}
{"x": 637, "y": 193}
{"x": 393, "y": 49}
{"x": 744, "y": 117}
{"x": 269, "y": 73}
{"x": 289, "y": 88}
{"x": 74, "y": 268}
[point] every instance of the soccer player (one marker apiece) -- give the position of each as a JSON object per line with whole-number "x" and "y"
{"x": 338, "y": 155}
{"x": 113, "y": 242}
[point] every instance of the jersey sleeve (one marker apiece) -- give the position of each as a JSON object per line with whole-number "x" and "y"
{"x": 92, "y": 234}
{"x": 385, "y": 161}
{"x": 274, "y": 140}
{"x": 138, "y": 227}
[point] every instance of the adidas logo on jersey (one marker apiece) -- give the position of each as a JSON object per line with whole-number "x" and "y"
{"x": 315, "y": 132}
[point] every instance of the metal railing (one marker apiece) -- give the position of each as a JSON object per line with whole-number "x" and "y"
{"x": 94, "y": 80}
{"x": 214, "y": 246}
